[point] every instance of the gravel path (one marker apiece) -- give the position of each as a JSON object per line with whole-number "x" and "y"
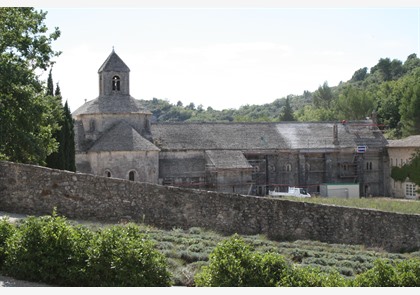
{"x": 10, "y": 282}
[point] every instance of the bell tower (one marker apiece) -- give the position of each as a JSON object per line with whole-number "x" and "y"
{"x": 114, "y": 77}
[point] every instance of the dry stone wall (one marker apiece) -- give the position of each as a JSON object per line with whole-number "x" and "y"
{"x": 36, "y": 190}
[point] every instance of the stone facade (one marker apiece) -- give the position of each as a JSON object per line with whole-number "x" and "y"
{"x": 114, "y": 136}
{"x": 37, "y": 190}
{"x": 400, "y": 153}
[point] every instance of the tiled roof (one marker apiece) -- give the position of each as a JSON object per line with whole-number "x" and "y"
{"x": 113, "y": 63}
{"x": 225, "y": 159}
{"x": 411, "y": 141}
{"x": 111, "y": 104}
{"x": 263, "y": 136}
{"x": 122, "y": 137}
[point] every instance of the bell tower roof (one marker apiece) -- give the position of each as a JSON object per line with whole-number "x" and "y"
{"x": 113, "y": 64}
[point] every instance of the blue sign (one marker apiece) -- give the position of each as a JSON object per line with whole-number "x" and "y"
{"x": 361, "y": 149}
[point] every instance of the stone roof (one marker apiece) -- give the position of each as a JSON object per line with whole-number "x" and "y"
{"x": 113, "y": 64}
{"x": 263, "y": 136}
{"x": 225, "y": 159}
{"x": 411, "y": 141}
{"x": 122, "y": 137}
{"x": 111, "y": 104}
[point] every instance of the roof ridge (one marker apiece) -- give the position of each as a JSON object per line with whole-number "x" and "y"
{"x": 108, "y": 136}
{"x": 117, "y": 63}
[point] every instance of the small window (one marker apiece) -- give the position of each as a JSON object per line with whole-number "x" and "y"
{"x": 288, "y": 167}
{"x": 108, "y": 173}
{"x": 410, "y": 190}
{"x": 92, "y": 125}
{"x": 131, "y": 175}
{"x": 116, "y": 83}
{"x": 369, "y": 165}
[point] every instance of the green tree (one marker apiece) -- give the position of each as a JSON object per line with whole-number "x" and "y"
{"x": 412, "y": 62}
{"x": 287, "y": 112}
{"x": 28, "y": 116}
{"x": 310, "y": 113}
{"x": 354, "y": 104}
{"x": 50, "y": 84}
{"x": 56, "y": 159}
{"x": 410, "y": 105}
{"x": 359, "y": 75}
{"x": 69, "y": 143}
{"x": 323, "y": 96}
{"x": 64, "y": 157}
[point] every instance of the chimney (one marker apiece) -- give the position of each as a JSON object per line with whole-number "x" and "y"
{"x": 335, "y": 134}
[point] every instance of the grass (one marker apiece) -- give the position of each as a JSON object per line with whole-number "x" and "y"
{"x": 384, "y": 204}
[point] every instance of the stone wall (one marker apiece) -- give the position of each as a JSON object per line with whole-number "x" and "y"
{"x": 36, "y": 190}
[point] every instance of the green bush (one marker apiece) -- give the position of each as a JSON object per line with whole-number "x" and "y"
{"x": 234, "y": 264}
{"x": 6, "y": 230}
{"x": 46, "y": 249}
{"x": 122, "y": 256}
{"x": 50, "y": 250}
{"x": 409, "y": 273}
{"x": 386, "y": 274}
{"x": 274, "y": 268}
{"x": 231, "y": 264}
{"x": 309, "y": 276}
{"x": 383, "y": 274}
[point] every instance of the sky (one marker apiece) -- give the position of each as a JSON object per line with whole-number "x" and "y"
{"x": 225, "y": 55}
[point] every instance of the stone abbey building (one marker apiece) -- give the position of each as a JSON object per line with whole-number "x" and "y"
{"x": 115, "y": 138}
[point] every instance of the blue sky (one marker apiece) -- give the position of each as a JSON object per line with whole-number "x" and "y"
{"x": 229, "y": 56}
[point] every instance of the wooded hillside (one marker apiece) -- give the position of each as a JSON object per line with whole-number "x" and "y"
{"x": 391, "y": 89}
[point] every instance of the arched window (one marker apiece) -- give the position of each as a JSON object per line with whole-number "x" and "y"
{"x": 131, "y": 175}
{"x": 288, "y": 167}
{"x": 108, "y": 173}
{"x": 116, "y": 83}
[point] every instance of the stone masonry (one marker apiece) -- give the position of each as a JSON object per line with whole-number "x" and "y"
{"x": 37, "y": 191}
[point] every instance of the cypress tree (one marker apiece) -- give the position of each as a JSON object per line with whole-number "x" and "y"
{"x": 64, "y": 158}
{"x": 50, "y": 85}
{"x": 55, "y": 160}
{"x": 69, "y": 144}
{"x": 287, "y": 113}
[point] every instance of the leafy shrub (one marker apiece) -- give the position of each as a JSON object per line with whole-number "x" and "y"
{"x": 6, "y": 230}
{"x": 231, "y": 265}
{"x": 46, "y": 249}
{"x": 386, "y": 274}
{"x": 313, "y": 277}
{"x": 383, "y": 274}
{"x": 274, "y": 268}
{"x": 409, "y": 273}
{"x": 234, "y": 264}
{"x": 121, "y": 256}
